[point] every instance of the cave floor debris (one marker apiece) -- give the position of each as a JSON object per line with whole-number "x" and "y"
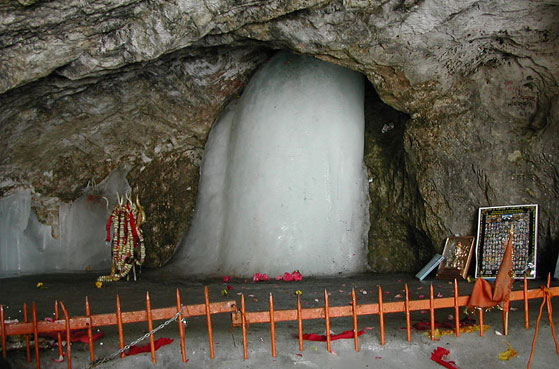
{"x": 467, "y": 351}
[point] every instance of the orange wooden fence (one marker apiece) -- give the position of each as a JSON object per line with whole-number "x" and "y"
{"x": 243, "y": 318}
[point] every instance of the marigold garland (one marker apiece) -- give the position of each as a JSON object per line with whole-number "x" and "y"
{"x": 127, "y": 243}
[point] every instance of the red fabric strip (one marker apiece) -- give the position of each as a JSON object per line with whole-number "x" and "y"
{"x": 145, "y": 348}
{"x": 440, "y": 356}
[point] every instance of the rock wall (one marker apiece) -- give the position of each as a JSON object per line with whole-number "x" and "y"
{"x": 88, "y": 87}
{"x": 62, "y": 135}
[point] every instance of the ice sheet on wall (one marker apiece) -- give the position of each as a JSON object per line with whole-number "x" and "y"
{"x": 28, "y": 247}
{"x": 283, "y": 185}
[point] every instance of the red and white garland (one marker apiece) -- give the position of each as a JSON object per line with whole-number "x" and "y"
{"x": 127, "y": 243}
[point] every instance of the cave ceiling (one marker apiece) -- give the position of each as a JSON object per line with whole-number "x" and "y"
{"x": 87, "y": 87}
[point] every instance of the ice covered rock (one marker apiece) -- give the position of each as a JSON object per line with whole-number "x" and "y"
{"x": 28, "y": 247}
{"x": 283, "y": 185}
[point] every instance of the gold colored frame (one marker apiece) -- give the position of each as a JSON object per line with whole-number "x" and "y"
{"x": 457, "y": 255}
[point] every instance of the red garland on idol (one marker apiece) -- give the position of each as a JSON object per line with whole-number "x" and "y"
{"x": 127, "y": 243}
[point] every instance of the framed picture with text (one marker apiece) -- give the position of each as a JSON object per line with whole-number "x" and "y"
{"x": 494, "y": 223}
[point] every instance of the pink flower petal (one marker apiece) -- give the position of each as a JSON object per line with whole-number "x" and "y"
{"x": 297, "y": 276}
{"x": 257, "y": 277}
{"x": 287, "y": 277}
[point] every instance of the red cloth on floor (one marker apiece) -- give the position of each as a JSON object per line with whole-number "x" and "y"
{"x": 425, "y": 326}
{"x": 333, "y": 337}
{"x": 440, "y": 356}
{"x": 146, "y": 348}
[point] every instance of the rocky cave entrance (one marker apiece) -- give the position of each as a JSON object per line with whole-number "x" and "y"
{"x": 136, "y": 88}
{"x": 392, "y": 213}
{"x": 161, "y": 142}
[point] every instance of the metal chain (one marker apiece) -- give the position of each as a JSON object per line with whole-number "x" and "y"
{"x": 133, "y": 343}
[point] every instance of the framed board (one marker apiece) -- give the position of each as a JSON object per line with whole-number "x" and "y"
{"x": 494, "y": 224}
{"x": 457, "y": 254}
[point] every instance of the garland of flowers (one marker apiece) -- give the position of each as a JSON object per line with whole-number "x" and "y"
{"x": 127, "y": 243}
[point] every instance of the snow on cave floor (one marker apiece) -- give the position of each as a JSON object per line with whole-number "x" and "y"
{"x": 468, "y": 351}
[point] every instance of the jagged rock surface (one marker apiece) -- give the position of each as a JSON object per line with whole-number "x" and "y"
{"x": 91, "y": 86}
{"x": 62, "y": 135}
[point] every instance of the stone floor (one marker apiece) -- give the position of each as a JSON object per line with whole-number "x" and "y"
{"x": 468, "y": 351}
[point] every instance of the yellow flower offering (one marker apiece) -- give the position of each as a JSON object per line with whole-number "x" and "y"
{"x": 98, "y": 284}
{"x": 508, "y": 353}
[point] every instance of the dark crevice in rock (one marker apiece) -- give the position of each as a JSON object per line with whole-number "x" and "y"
{"x": 548, "y": 256}
{"x": 396, "y": 241}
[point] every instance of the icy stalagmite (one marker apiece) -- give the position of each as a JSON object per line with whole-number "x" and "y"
{"x": 283, "y": 184}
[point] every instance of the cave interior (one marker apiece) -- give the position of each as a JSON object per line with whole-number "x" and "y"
{"x": 458, "y": 114}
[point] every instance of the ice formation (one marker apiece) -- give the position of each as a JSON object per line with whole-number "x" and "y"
{"x": 28, "y": 247}
{"x": 283, "y": 186}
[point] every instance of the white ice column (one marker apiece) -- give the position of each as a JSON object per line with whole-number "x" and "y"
{"x": 283, "y": 184}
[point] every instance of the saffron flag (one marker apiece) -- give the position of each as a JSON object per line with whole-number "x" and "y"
{"x": 486, "y": 296}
